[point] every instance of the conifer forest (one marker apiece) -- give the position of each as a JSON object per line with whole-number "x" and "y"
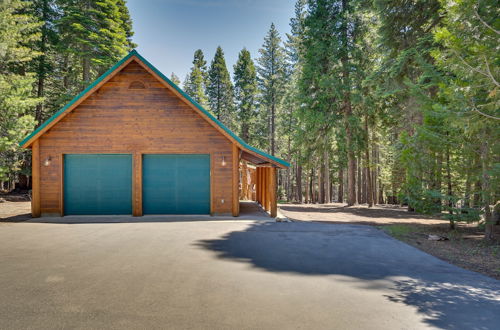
{"x": 372, "y": 102}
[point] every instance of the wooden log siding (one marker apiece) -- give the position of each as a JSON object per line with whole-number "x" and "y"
{"x": 116, "y": 119}
{"x": 35, "y": 177}
{"x": 236, "y": 176}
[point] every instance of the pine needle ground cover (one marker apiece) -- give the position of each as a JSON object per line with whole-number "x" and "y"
{"x": 465, "y": 246}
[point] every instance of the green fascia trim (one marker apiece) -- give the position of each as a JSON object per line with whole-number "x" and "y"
{"x": 168, "y": 81}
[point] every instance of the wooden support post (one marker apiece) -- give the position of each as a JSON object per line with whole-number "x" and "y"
{"x": 259, "y": 185}
{"x": 266, "y": 188}
{"x": 263, "y": 187}
{"x": 35, "y": 174}
{"x": 236, "y": 181}
{"x": 244, "y": 181}
{"x": 137, "y": 185}
{"x": 272, "y": 193}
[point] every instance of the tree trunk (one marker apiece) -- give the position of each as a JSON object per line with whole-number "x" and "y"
{"x": 311, "y": 187}
{"x": 450, "y": 191}
{"x": 351, "y": 157}
{"x": 351, "y": 177}
{"x": 307, "y": 189}
{"x": 439, "y": 179}
{"x": 467, "y": 202}
{"x": 321, "y": 185}
{"x": 375, "y": 171}
{"x": 341, "y": 186}
{"x": 369, "y": 194}
{"x": 485, "y": 187}
{"x": 273, "y": 114}
{"x": 327, "y": 176}
{"x": 359, "y": 180}
{"x": 299, "y": 183}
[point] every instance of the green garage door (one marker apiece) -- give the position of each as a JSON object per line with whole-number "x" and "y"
{"x": 176, "y": 184}
{"x": 97, "y": 184}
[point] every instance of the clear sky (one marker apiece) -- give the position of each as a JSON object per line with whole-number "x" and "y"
{"x": 169, "y": 31}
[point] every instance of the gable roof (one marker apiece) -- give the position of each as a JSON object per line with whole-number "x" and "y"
{"x": 134, "y": 55}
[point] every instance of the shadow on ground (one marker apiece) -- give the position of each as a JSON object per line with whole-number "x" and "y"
{"x": 449, "y": 297}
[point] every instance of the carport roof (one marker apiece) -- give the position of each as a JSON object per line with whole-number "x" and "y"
{"x": 249, "y": 153}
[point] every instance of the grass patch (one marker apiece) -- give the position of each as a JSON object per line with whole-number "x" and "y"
{"x": 399, "y": 231}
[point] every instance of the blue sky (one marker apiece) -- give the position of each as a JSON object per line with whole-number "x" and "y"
{"x": 169, "y": 31}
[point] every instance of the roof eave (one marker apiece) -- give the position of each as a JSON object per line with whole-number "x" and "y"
{"x": 26, "y": 143}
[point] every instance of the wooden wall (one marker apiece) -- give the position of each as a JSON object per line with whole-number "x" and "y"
{"x": 116, "y": 119}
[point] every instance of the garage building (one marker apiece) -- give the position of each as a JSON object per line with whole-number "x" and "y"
{"x": 134, "y": 143}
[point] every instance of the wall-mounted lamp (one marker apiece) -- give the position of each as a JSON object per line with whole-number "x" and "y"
{"x": 223, "y": 161}
{"x": 47, "y": 161}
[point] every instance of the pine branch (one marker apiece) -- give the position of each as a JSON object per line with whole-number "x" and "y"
{"x": 482, "y": 21}
{"x": 484, "y": 114}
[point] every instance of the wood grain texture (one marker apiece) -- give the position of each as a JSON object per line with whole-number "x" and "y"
{"x": 273, "y": 203}
{"x": 116, "y": 119}
{"x": 137, "y": 185}
{"x": 35, "y": 173}
{"x": 236, "y": 176}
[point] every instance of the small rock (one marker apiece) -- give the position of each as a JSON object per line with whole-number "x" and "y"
{"x": 437, "y": 238}
{"x": 2, "y": 200}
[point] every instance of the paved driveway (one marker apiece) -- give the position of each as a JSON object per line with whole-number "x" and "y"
{"x": 231, "y": 275}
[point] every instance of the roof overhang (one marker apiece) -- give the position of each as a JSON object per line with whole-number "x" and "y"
{"x": 253, "y": 155}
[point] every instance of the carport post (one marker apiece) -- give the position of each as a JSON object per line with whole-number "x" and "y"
{"x": 272, "y": 193}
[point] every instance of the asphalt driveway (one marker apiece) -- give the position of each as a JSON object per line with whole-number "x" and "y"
{"x": 231, "y": 275}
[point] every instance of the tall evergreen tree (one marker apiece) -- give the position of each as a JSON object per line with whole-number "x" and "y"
{"x": 45, "y": 11}
{"x": 245, "y": 90}
{"x": 328, "y": 79}
{"x": 272, "y": 80}
{"x": 196, "y": 81}
{"x": 95, "y": 33}
{"x": 175, "y": 79}
{"x": 470, "y": 35}
{"x": 220, "y": 90}
{"x": 19, "y": 31}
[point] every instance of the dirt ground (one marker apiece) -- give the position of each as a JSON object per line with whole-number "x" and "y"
{"x": 15, "y": 207}
{"x": 361, "y": 214}
{"x": 464, "y": 246}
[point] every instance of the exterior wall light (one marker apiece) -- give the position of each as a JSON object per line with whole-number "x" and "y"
{"x": 47, "y": 161}
{"x": 223, "y": 161}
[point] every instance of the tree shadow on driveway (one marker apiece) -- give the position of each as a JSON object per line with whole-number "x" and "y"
{"x": 449, "y": 297}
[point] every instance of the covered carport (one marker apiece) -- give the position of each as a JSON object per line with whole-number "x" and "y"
{"x": 257, "y": 179}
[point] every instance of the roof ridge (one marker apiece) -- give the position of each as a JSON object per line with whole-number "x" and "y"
{"x": 135, "y": 53}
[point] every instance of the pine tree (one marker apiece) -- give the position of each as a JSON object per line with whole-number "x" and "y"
{"x": 175, "y": 79}
{"x": 19, "y": 31}
{"x": 470, "y": 38}
{"x": 220, "y": 90}
{"x": 196, "y": 81}
{"x": 272, "y": 80}
{"x": 45, "y": 11}
{"x": 96, "y": 34}
{"x": 245, "y": 90}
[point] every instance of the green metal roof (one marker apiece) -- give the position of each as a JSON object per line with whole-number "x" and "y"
{"x": 168, "y": 81}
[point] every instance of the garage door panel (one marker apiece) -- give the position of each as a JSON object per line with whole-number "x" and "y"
{"x": 97, "y": 184}
{"x": 176, "y": 184}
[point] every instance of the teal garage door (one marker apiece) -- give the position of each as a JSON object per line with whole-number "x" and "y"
{"x": 97, "y": 184}
{"x": 176, "y": 184}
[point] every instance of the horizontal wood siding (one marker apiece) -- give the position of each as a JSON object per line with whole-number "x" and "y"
{"x": 116, "y": 119}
